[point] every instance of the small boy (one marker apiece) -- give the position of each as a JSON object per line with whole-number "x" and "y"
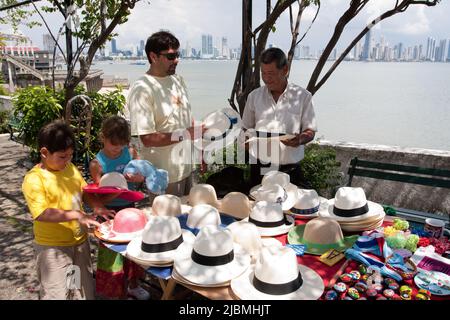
{"x": 53, "y": 190}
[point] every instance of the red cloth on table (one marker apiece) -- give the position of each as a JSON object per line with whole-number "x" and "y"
{"x": 327, "y": 272}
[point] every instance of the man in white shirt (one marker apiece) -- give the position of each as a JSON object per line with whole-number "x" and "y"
{"x": 160, "y": 114}
{"x": 290, "y": 108}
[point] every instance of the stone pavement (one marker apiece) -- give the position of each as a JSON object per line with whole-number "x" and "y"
{"x": 17, "y": 274}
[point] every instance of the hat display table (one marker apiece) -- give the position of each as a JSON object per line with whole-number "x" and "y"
{"x": 328, "y": 273}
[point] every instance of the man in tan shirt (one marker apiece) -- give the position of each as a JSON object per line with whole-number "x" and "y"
{"x": 160, "y": 114}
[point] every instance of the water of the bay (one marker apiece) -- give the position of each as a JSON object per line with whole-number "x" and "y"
{"x": 397, "y": 104}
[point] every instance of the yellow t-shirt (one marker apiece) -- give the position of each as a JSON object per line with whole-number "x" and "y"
{"x": 162, "y": 105}
{"x": 55, "y": 189}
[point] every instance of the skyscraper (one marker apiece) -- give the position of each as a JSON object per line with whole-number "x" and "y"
{"x": 113, "y": 46}
{"x": 431, "y": 48}
{"x": 207, "y": 46}
{"x": 367, "y": 50}
{"x": 48, "y": 42}
{"x": 443, "y": 51}
{"x": 225, "y": 51}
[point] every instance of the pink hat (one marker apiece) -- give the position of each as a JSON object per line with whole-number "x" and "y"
{"x": 127, "y": 224}
{"x": 114, "y": 182}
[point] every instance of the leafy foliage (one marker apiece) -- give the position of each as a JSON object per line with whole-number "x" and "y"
{"x": 36, "y": 106}
{"x": 321, "y": 169}
{"x": 4, "y": 117}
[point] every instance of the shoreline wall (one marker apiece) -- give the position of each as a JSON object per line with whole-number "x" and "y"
{"x": 403, "y": 195}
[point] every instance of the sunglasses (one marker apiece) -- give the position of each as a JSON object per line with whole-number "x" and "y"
{"x": 170, "y": 56}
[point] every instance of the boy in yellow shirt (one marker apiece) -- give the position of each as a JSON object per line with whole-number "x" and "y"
{"x": 53, "y": 190}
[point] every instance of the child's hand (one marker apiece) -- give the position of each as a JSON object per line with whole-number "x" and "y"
{"x": 138, "y": 178}
{"x": 104, "y": 213}
{"x": 88, "y": 222}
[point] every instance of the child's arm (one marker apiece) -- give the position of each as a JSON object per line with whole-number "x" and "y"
{"x": 59, "y": 215}
{"x": 97, "y": 206}
{"x": 137, "y": 178}
{"x": 95, "y": 170}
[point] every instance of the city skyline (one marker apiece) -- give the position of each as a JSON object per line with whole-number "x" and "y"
{"x": 189, "y": 20}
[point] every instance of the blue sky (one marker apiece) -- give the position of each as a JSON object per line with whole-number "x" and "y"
{"x": 188, "y": 20}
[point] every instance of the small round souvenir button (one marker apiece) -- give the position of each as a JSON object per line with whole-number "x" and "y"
{"x": 423, "y": 294}
{"x": 405, "y": 290}
{"x": 331, "y": 295}
{"x": 353, "y": 293}
{"x": 361, "y": 286}
{"x": 340, "y": 287}
{"x": 362, "y": 269}
{"x": 346, "y": 277}
{"x": 355, "y": 275}
{"x": 371, "y": 293}
{"x": 388, "y": 293}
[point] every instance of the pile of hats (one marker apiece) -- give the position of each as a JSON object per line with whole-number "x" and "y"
{"x": 351, "y": 209}
{"x": 276, "y": 187}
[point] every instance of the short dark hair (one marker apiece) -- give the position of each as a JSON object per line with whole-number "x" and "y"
{"x": 274, "y": 54}
{"x": 56, "y": 136}
{"x": 116, "y": 130}
{"x": 160, "y": 41}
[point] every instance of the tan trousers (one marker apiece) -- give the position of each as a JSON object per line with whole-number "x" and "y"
{"x": 179, "y": 188}
{"x": 65, "y": 273}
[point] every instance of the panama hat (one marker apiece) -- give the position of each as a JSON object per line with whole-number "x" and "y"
{"x": 114, "y": 182}
{"x": 350, "y": 204}
{"x": 222, "y": 129}
{"x": 247, "y": 235}
{"x": 308, "y": 204}
{"x": 268, "y": 191}
{"x": 320, "y": 235}
{"x": 277, "y": 276}
{"x": 285, "y": 196}
{"x": 168, "y": 205}
{"x": 159, "y": 240}
{"x": 201, "y": 193}
{"x": 236, "y": 204}
{"x": 127, "y": 224}
{"x": 270, "y": 219}
{"x": 203, "y": 215}
{"x": 213, "y": 257}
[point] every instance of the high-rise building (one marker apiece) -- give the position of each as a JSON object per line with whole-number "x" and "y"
{"x": 113, "y": 46}
{"x": 207, "y": 46}
{"x": 431, "y": 49}
{"x": 48, "y": 42}
{"x": 225, "y": 51}
{"x": 400, "y": 51}
{"x": 443, "y": 53}
{"x": 188, "y": 50}
{"x": 367, "y": 50}
{"x": 448, "y": 51}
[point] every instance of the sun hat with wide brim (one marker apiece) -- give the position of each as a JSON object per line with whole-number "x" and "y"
{"x": 201, "y": 193}
{"x": 159, "y": 240}
{"x": 286, "y": 196}
{"x": 167, "y": 205}
{"x": 127, "y": 224}
{"x": 320, "y": 235}
{"x": 308, "y": 204}
{"x": 213, "y": 258}
{"x": 270, "y": 219}
{"x": 236, "y": 204}
{"x": 350, "y": 204}
{"x": 222, "y": 129}
{"x": 225, "y": 220}
{"x": 277, "y": 276}
{"x": 111, "y": 183}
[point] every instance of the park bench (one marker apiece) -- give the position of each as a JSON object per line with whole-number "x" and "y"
{"x": 407, "y": 174}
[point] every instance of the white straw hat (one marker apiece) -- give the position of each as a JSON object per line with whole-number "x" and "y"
{"x": 168, "y": 205}
{"x": 213, "y": 258}
{"x": 160, "y": 238}
{"x": 222, "y": 129}
{"x": 270, "y": 219}
{"x": 202, "y": 193}
{"x": 350, "y": 204}
{"x": 308, "y": 204}
{"x": 236, "y": 204}
{"x": 277, "y": 276}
